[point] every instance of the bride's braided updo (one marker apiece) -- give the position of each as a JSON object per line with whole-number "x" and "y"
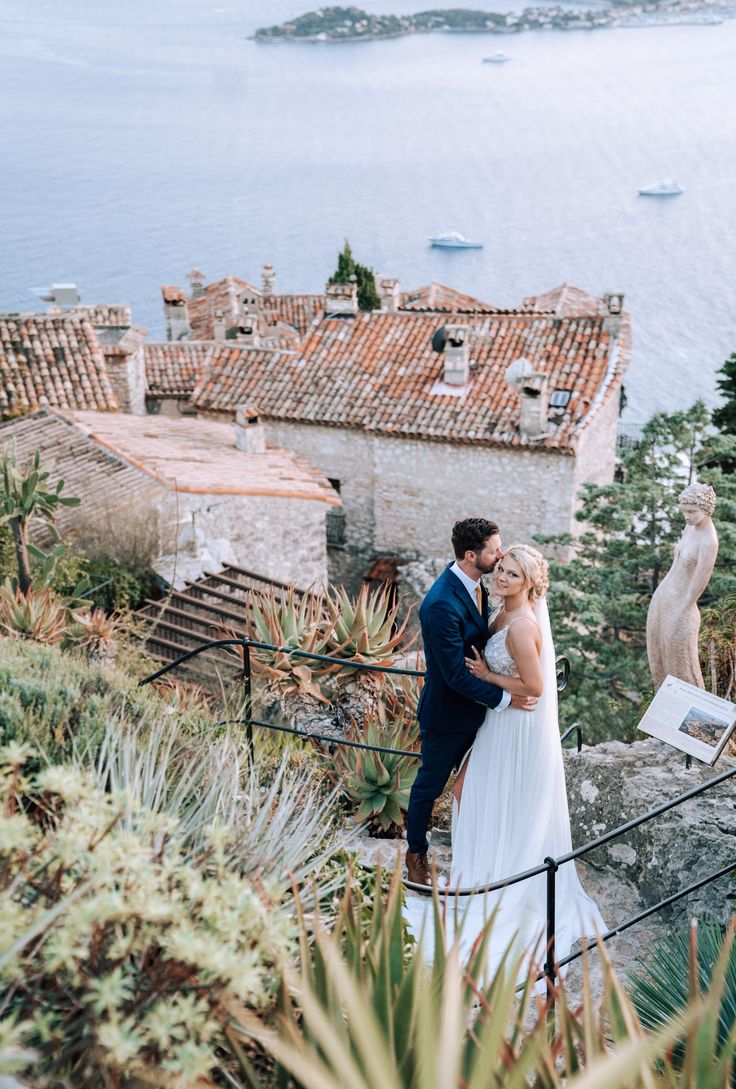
{"x": 534, "y": 567}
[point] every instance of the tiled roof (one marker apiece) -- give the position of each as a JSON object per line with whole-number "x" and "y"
{"x": 173, "y": 293}
{"x": 565, "y": 301}
{"x": 90, "y": 472}
{"x": 100, "y": 316}
{"x": 299, "y": 311}
{"x": 174, "y": 368}
{"x": 51, "y": 359}
{"x": 202, "y": 458}
{"x": 377, "y": 372}
{"x": 436, "y": 296}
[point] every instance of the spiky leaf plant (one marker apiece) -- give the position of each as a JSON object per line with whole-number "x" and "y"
{"x": 372, "y": 1015}
{"x": 683, "y": 960}
{"x": 94, "y": 632}
{"x": 37, "y": 614}
{"x": 378, "y": 783}
{"x": 287, "y": 619}
{"x": 363, "y": 630}
{"x": 275, "y": 824}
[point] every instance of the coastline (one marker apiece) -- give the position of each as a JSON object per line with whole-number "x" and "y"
{"x": 677, "y": 13}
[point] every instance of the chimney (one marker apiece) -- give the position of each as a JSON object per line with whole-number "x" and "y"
{"x": 196, "y": 281}
{"x": 457, "y": 369}
{"x": 219, "y": 328}
{"x": 175, "y": 313}
{"x": 341, "y": 300}
{"x": 614, "y": 306}
{"x": 122, "y": 348}
{"x": 268, "y": 280}
{"x": 388, "y": 289}
{"x": 250, "y": 435}
{"x": 532, "y": 387}
{"x": 250, "y": 326}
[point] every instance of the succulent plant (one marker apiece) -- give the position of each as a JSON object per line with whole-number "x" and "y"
{"x": 378, "y": 783}
{"x": 94, "y": 631}
{"x": 288, "y": 619}
{"x": 364, "y": 628}
{"x": 38, "y": 614}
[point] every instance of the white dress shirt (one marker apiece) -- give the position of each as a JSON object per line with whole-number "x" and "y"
{"x": 471, "y": 585}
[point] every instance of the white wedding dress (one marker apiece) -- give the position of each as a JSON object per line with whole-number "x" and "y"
{"x": 514, "y": 814}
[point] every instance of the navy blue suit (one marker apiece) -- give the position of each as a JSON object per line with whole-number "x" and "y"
{"x": 453, "y": 702}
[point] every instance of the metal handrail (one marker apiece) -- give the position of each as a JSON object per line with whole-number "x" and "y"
{"x": 550, "y": 865}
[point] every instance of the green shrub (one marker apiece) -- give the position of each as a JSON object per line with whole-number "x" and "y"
{"x": 145, "y": 946}
{"x": 57, "y": 701}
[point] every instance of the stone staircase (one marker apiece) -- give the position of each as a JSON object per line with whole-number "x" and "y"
{"x": 213, "y": 607}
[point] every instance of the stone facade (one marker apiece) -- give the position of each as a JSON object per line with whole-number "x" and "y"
{"x": 401, "y": 496}
{"x": 279, "y": 538}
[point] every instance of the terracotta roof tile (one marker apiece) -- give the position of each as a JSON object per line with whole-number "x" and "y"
{"x": 298, "y": 311}
{"x": 53, "y": 360}
{"x": 174, "y": 368}
{"x": 377, "y": 372}
{"x": 436, "y": 296}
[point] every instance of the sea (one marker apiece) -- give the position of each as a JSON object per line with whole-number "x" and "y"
{"x": 141, "y": 139}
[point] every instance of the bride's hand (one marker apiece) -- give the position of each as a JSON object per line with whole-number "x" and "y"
{"x": 478, "y": 667}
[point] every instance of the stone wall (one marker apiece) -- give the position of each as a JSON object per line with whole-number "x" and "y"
{"x": 610, "y": 784}
{"x": 281, "y": 538}
{"x": 344, "y": 456}
{"x": 595, "y": 460}
{"x": 425, "y": 487}
{"x": 401, "y": 496}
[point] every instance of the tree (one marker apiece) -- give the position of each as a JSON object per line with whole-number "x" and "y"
{"x": 725, "y": 417}
{"x": 347, "y": 267}
{"x": 24, "y": 494}
{"x": 600, "y": 598}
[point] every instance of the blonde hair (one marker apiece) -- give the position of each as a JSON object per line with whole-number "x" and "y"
{"x": 701, "y": 496}
{"x": 534, "y": 568}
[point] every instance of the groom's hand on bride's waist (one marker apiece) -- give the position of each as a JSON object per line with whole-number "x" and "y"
{"x": 523, "y": 703}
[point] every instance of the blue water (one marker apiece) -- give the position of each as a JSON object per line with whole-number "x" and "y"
{"x": 138, "y": 140}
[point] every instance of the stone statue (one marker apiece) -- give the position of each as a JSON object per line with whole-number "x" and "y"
{"x": 673, "y": 621}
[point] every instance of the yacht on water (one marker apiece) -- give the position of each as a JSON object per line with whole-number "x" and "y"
{"x": 665, "y": 188}
{"x": 496, "y": 58}
{"x": 454, "y": 240}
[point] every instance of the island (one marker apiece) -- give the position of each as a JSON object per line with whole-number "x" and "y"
{"x": 350, "y": 24}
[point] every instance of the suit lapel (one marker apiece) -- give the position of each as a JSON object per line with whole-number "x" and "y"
{"x": 462, "y": 594}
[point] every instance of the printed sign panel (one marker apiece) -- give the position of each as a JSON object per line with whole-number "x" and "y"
{"x": 692, "y": 720}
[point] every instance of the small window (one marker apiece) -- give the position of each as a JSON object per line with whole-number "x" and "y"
{"x": 560, "y": 398}
{"x": 335, "y": 483}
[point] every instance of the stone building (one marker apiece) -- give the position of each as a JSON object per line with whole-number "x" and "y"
{"x": 216, "y": 493}
{"x": 427, "y": 411}
{"x": 85, "y": 357}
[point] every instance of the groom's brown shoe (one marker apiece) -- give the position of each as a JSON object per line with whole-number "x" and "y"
{"x": 417, "y": 868}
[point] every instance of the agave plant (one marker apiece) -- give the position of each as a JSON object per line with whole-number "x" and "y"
{"x": 378, "y": 783}
{"x": 274, "y": 825}
{"x": 373, "y": 1015}
{"x": 365, "y": 630}
{"x": 94, "y": 632}
{"x": 38, "y": 614}
{"x": 662, "y": 987}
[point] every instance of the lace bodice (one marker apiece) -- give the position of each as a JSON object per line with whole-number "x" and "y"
{"x": 497, "y": 656}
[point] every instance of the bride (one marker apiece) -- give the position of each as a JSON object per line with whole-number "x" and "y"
{"x": 510, "y": 803}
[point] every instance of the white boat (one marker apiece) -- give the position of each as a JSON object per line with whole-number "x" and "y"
{"x": 455, "y": 241}
{"x": 496, "y": 58}
{"x": 665, "y": 188}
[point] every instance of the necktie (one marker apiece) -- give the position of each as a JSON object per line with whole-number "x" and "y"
{"x": 479, "y": 598}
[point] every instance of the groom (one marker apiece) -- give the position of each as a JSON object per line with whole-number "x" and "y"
{"x": 454, "y": 619}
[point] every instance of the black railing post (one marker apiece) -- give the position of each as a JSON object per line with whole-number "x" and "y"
{"x": 550, "y": 968}
{"x": 247, "y": 698}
